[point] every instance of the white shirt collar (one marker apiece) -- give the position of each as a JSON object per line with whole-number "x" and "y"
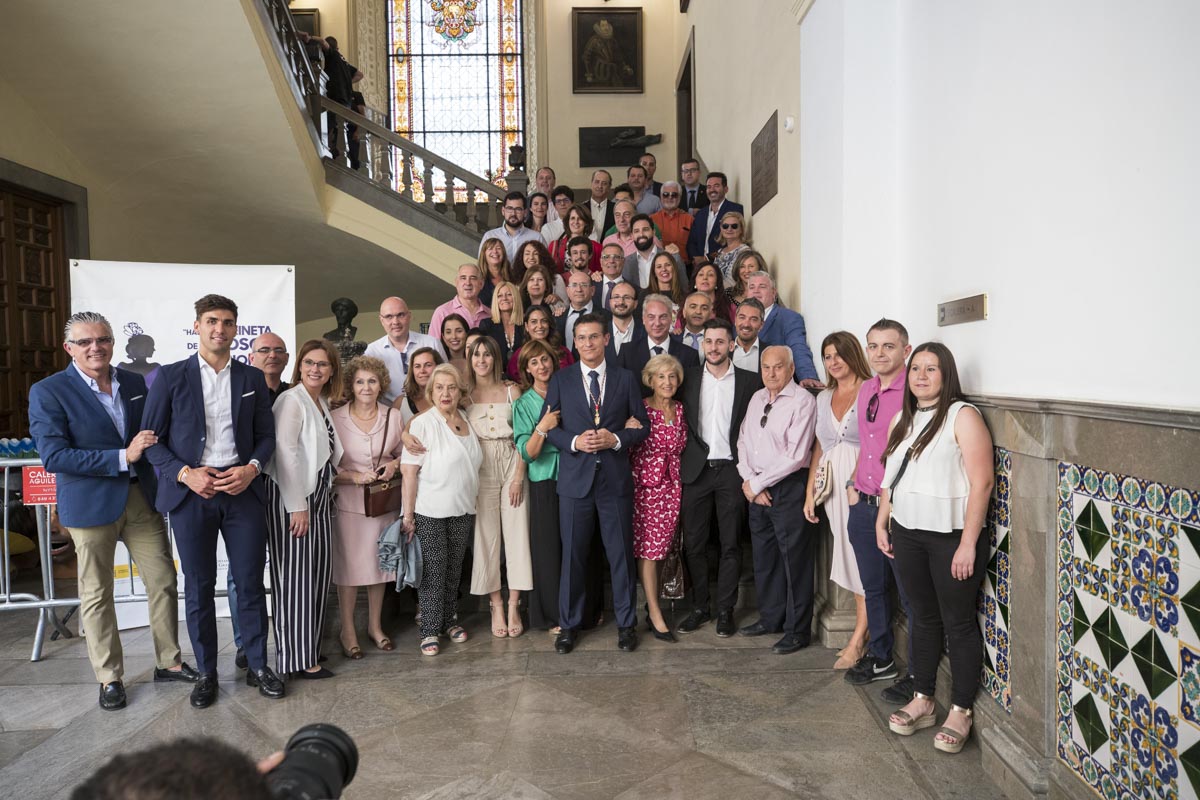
{"x": 665, "y": 344}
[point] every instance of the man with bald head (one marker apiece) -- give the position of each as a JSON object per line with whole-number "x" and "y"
{"x": 269, "y": 353}
{"x": 398, "y": 343}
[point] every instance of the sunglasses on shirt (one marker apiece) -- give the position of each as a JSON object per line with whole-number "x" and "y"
{"x": 762, "y": 423}
{"x": 873, "y": 408}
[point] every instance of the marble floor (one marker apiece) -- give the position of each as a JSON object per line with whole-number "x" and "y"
{"x": 705, "y": 718}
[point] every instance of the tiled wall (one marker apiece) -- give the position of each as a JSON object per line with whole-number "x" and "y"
{"x": 995, "y": 593}
{"x": 1128, "y": 634}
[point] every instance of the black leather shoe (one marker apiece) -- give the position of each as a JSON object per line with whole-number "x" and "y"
{"x": 692, "y": 622}
{"x": 267, "y": 681}
{"x": 185, "y": 674}
{"x": 627, "y": 639}
{"x": 789, "y": 644}
{"x": 725, "y": 626}
{"x": 755, "y": 629}
{"x": 564, "y": 642}
{"x": 204, "y": 693}
{"x": 239, "y": 659}
{"x": 112, "y": 696}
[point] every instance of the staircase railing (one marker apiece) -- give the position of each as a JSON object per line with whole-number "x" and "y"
{"x": 392, "y": 163}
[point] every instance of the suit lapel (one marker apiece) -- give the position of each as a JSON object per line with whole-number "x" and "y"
{"x": 80, "y": 387}
{"x": 236, "y": 384}
{"x": 191, "y": 374}
{"x": 133, "y": 410}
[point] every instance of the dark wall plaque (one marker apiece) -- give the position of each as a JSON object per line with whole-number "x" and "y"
{"x": 596, "y": 150}
{"x": 764, "y": 164}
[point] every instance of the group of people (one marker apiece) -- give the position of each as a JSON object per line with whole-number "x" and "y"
{"x": 628, "y": 398}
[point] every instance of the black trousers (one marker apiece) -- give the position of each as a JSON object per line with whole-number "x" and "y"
{"x": 783, "y": 549}
{"x": 720, "y": 488}
{"x": 942, "y": 606}
{"x": 545, "y": 548}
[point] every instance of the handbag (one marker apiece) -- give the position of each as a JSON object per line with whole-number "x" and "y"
{"x": 382, "y": 497}
{"x": 823, "y": 483}
{"x": 672, "y": 579}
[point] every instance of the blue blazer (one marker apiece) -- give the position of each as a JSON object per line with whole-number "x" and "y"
{"x": 696, "y": 244}
{"x": 175, "y": 411}
{"x": 622, "y": 400}
{"x": 786, "y": 327}
{"x": 78, "y": 442}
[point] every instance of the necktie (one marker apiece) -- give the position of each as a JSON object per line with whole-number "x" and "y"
{"x": 404, "y": 361}
{"x": 594, "y": 389}
{"x": 694, "y": 341}
{"x": 608, "y": 286}
{"x": 657, "y": 350}
{"x": 691, "y": 198}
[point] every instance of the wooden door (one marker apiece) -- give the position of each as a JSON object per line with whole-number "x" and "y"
{"x": 33, "y": 301}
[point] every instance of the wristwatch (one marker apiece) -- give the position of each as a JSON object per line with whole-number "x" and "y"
{"x": 850, "y": 483}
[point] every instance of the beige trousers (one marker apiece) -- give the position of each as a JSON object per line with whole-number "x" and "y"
{"x": 496, "y": 519}
{"x": 142, "y": 530}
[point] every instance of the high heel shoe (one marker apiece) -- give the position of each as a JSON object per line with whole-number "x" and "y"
{"x": 499, "y": 631}
{"x": 515, "y": 626}
{"x": 663, "y": 636}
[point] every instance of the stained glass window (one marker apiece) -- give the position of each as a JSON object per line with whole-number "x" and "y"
{"x": 456, "y": 79}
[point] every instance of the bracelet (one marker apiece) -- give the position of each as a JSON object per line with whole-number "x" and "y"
{"x": 540, "y": 432}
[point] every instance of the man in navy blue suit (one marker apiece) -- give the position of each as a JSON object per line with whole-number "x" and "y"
{"x": 87, "y": 421}
{"x": 706, "y": 228}
{"x": 595, "y": 399}
{"x": 657, "y": 316}
{"x": 782, "y": 326}
{"x": 212, "y": 415}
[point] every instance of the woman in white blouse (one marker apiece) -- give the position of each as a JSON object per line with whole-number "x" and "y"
{"x": 299, "y": 508}
{"x": 440, "y": 486}
{"x": 936, "y": 487}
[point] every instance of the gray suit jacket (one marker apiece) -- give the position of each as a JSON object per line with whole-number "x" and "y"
{"x": 630, "y": 272}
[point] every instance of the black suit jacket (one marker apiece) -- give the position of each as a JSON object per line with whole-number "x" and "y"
{"x": 560, "y": 323}
{"x": 634, "y": 356}
{"x": 699, "y": 202}
{"x": 598, "y": 294}
{"x": 697, "y": 244}
{"x": 639, "y": 334}
{"x": 695, "y": 452}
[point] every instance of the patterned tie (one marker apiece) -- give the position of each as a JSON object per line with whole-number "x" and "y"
{"x": 694, "y": 341}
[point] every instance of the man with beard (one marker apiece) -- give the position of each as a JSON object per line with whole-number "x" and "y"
{"x": 645, "y": 248}
{"x": 625, "y": 328}
{"x": 748, "y": 322}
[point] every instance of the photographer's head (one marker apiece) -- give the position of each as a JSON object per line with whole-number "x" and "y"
{"x": 184, "y": 768}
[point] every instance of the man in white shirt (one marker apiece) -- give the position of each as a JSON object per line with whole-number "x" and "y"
{"x": 599, "y": 205}
{"x": 715, "y": 397}
{"x": 748, "y": 321}
{"x": 579, "y": 297}
{"x": 637, "y": 264}
{"x": 625, "y": 327}
{"x": 513, "y": 232}
{"x": 697, "y": 310}
{"x": 398, "y": 343}
{"x": 561, "y": 200}
{"x": 645, "y": 200}
{"x": 612, "y": 264}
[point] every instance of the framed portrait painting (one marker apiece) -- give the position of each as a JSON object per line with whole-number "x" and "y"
{"x": 606, "y": 50}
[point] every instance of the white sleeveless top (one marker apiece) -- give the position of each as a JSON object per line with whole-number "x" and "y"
{"x": 932, "y": 494}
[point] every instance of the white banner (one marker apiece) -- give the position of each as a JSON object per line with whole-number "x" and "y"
{"x": 151, "y": 308}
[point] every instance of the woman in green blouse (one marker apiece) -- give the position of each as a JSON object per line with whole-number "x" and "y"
{"x": 537, "y": 362}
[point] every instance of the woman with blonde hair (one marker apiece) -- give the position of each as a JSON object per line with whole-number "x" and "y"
{"x": 506, "y": 327}
{"x": 370, "y": 432}
{"x": 299, "y": 508}
{"x": 734, "y": 239}
{"x": 835, "y": 453}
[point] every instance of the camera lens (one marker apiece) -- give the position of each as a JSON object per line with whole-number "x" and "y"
{"x": 320, "y": 761}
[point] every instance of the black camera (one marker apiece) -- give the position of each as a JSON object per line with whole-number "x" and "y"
{"x": 320, "y": 760}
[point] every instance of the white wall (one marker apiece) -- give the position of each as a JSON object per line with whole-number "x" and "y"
{"x": 1042, "y": 153}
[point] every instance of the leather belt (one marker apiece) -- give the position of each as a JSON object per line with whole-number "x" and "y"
{"x": 720, "y": 462}
{"x": 870, "y": 499}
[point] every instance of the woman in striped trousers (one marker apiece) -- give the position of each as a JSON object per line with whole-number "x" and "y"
{"x": 299, "y": 509}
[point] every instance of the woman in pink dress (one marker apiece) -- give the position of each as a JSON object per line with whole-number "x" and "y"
{"x": 370, "y": 433}
{"x": 656, "y": 485}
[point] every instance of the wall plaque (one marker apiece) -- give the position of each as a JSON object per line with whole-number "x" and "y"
{"x": 966, "y": 309}
{"x": 764, "y": 164}
{"x": 596, "y": 147}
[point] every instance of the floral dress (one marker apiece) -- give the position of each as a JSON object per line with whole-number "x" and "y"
{"x": 656, "y": 484}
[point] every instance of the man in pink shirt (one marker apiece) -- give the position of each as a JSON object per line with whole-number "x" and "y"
{"x": 773, "y": 452}
{"x": 879, "y": 401}
{"x": 466, "y": 301}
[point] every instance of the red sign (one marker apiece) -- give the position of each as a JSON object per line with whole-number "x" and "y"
{"x": 38, "y": 486}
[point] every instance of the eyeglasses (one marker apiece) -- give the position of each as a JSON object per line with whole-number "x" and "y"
{"x": 670, "y": 194}
{"x": 266, "y": 351}
{"x": 310, "y": 364}
{"x": 873, "y": 407}
{"x": 514, "y": 208}
{"x": 762, "y": 423}
{"x": 394, "y": 317}
{"x": 103, "y": 341}
{"x": 728, "y": 226}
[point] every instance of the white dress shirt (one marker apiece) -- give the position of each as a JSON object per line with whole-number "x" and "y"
{"x": 220, "y": 445}
{"x": 569, "y": 327}
{"x": 553, "y": 229}
{"x": 113, "y": 405}
{"x": 665, "y": 344}
{"x": 397, "y": 360}
{"x": 601, "y": 371}
{"x": 716, "y": 411}
{"x": 693, "y": 340}
{"x": 619, "y": 338}
{"x": 644, "y": 263}
{"x": 746, "y": 359}
{"x": 598, "y": 211}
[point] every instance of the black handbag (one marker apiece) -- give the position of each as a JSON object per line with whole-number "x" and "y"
{"x": 672, "y": 577}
